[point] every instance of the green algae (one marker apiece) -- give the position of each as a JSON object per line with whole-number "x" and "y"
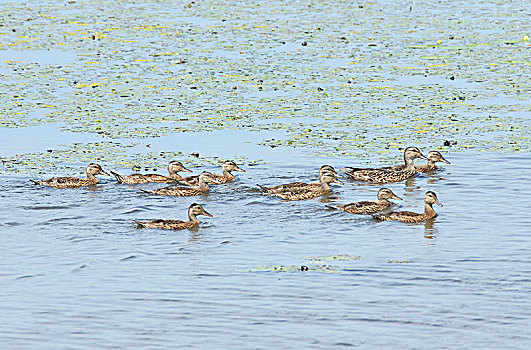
{"x": 293, "y": 268}
{"x": 74, "y": 159}
{"x": 339, "y": 257}
{"x": 378, "y": 82}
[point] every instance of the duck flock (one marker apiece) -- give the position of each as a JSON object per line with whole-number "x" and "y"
{"x": 199, "y": 184}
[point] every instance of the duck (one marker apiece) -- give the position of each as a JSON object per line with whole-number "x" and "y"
{"x": 370, "y": 207}
{"x": 294, "y": 185}
{"x": 73, "y": 182}
{"x": 309, "y": 191}
{"x": 227, "y": 168}
{"x": 382, "y": 176}
{"x": 180, "y": 191}
{"x": 410, "y": 217}
{"x": 173, "y": 168}
{"x": 193, "y": 211}
{"x": 433, "y": 157}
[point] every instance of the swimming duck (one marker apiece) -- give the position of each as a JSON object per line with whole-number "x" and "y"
{"x": 173, "y": 168}
{"x": 309, "y": 191}
{"x": 226, "y": 176}
{"x": 294, "y": 185}
{"x": 407, "y": 216}
{"x": 71, "y": 182}
{"x": 194, "y": 210}
{"x": 377, "y": 175}
{"x": 369, "y": 207}
{"x": 180, "y": 191}
{"x": 433, "y": 157}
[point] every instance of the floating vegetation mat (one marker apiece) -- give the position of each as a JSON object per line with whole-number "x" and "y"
{"x": 311, "y": 266}
{"x": 77, "y": 156}
{"x": 338, "y": 79}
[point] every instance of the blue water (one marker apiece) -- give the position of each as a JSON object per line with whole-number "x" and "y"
{"x": 77, "y": 273}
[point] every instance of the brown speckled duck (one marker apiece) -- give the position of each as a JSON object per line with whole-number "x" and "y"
{"x": 194, "y": 210}
{"x": 72, "y": 182}
{"x": 407, "y": 216}
{"x": 173, "y": 168}
{"x": 369, "y": 207}
{"x": 204, "y": 179}
{"x": 309, "y": 191}
{"x": 381, "y": 176}
{"x": 226, "y": 174}
{"x": 294, "y": 185}
{"x": 433, "y": 157}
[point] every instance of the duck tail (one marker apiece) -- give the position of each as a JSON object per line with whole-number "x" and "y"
{"x": 36, "y": 182}
{"x": 139, "y": 224}
{"x": 333, "y": 207}
{"x": 263, "y": 188}
{"x": 147, "y": 191}
{"x": 380, "y": 217}
{"x": 349, "y": 170}
{"x": 118, "y": 177}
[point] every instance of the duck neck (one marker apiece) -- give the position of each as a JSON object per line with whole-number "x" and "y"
{"x": 227, "y": 174}
{"x": 324, "y": 185}
{"x": 192, "y": 218}
{"x": 409, "y": 166}
{"x": 428, "y": 210}
{"x": 203, "y": 186}
{"x": 175, "y": 176}
{"x": 430, "y": 164}
{"x": 91, "y": 177}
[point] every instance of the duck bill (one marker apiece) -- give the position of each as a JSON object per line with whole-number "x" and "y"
{"x": 104, "y": 173}
{"x": 396, "y": 197}
{"x": 337, "y": 181}
{"x": 445, "y": 161}
{"x": 438, "y": 203}
{"x": 423, "y": 157}
{"x": 240, "y": 170}
{"x": 187, "y": 170}
{"x": 206, "y": 213}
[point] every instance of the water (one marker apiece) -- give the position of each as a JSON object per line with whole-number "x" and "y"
{"x": 122, "y": 82}
{"x": 76, "y": 273}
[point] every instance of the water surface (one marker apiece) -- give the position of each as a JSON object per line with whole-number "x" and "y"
{"x": 77, "y": 273}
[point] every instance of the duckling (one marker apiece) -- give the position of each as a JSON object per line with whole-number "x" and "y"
{"x": 294, "y": 185}
{"x": 173, "y": 168}
{"x": 407, "y": 216}
{"x": 194, "y": 210}
{"x": 71, "y": 182}
{"x": 433, "y": 157}
{"x": 180, "y": 191}
{"x": 226, "y": 176}
{"x": 309, "y": 191}
{"x": 376, "y": 175}
{"x": 369, "y": 207}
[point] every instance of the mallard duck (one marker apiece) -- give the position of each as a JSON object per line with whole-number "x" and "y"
{"x": 369, "y": 207}
{"x": 71, "y": 182}
{"x": 194, "y": 210}
{"x": 293, "y": 185}
{"x": 381, "y": 176}
{"x": 433, "y": 157}
{"x": 407, "y": 216}
{"x": 204, "y": 179}
{"x": 173, "y": 168}
{"x": 226, "y": 174}
{"x": 309, "y": 191}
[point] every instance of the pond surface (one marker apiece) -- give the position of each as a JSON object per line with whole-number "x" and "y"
{"x": 281, "y": 88}
{"x": 77, "y": 273}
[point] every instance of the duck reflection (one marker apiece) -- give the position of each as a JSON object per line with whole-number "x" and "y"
{"x": 430, "y": 232}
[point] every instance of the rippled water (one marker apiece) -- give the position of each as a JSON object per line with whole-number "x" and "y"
{"x": 76, "y": 273}
{"x": 281, "y": 87}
